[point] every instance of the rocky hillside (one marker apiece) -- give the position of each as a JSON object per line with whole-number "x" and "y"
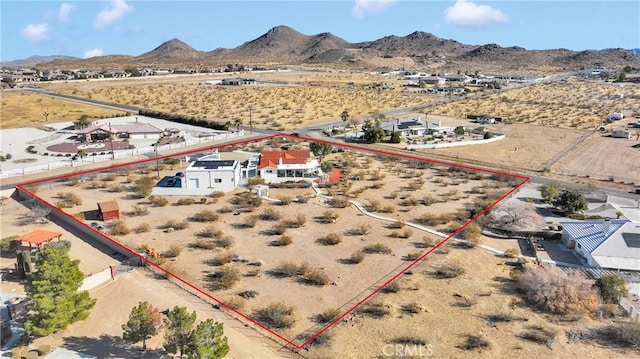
{"x": 286, "y": 46}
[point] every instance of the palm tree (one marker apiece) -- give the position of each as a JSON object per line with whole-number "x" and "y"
{"x": 81, "y": 154}
{"x": 237, "y": 121}
{"x": 345, "y": 117}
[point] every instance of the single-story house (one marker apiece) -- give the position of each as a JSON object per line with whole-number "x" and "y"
{"x": 39, "y": 237}
{"x": 292, "y": 165}
{"x": 112, "y": 131}
{"x": 612, "y": 244}
{"x": 211, "y": 173}
{"x": 108, "y": 210}
{"x": 406, "y": 127}
{"x": 237, "y": 81}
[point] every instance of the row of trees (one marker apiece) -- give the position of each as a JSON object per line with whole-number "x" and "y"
{"x": 182, "y": 335}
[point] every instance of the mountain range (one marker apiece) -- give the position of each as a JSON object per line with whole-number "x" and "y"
{"x": 283, "y": 45}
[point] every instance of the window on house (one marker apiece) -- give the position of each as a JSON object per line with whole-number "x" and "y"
{"x": 217, "y": 180}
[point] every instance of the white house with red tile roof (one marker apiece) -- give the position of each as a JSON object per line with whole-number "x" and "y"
{"x": 613, "y": 244}
{"x": 291, "y": 165}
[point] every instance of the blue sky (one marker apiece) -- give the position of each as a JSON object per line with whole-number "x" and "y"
{"x": 91, "y": 28}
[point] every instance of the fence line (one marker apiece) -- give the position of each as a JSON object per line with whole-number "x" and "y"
{"x": 455, "y": 144}
{"x": 633, "y": 310}
{"x": 117, "y": 154}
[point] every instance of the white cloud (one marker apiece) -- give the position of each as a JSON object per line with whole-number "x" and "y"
{"x": 64, "y": 12}
{"x": 467, "y": 14}
{"x": 92, "y": 53}
{"x": 112, "y": 12}
{"x": 36, "y": 32}
{"x": 364, "y": 7}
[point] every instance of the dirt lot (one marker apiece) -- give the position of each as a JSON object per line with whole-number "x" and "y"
{"x": 398, "y": 190}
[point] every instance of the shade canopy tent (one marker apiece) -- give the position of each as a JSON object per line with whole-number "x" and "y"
{"x": 108, "y": 210}
{"x": 39, "y": 237}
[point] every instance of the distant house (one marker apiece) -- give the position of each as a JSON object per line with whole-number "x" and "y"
{"x": 613, "y": 244}
{"x": 211, "y": 173}
{"x": 621, "y": 134}
{"x": 109, "y": 131}
{"x": 406, "y": 127}
{"x": 237, "y": 81}
{"x": 281, "y": 166}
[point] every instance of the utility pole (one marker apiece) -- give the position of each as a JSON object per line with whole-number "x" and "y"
{"x": 157, "y": 163}
{"x": 113, "y": 153}
{"x": 250, "y": 122}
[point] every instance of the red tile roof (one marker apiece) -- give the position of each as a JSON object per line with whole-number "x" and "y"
{"x": 273, "y": 158}
{"x": 39, "y": 236}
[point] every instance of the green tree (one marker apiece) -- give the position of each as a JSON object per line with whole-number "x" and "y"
{"x": 178, "y": 330}
{"x": 549, "y": 193}
{"x": 237, "y": 122}
{"x": 320, "y": 149}
{"x": 612, "y": 287}
{"x": 82, "y": 154}
{"x": 571, "y": 201}
{"x": 143, "y": 186}
{"x": 144, "y": 322}
{"x": 459, "y": 131}
{"x": 53, "y": 289}
{"x": 326, "y": 167}
{"x": 208, "y": 341}
{"x": 82, "y": 122}
{"x": 395, "y": 137}
{"x": 345, "y": 117}
{"x": 372, "y": 131}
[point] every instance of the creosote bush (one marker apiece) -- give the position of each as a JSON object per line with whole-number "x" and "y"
{"x": 205, "y": 216}
{"x": 330, "y": 239}
{"x": 158, "y": 201}
{"x": 186, "y": 201}
{"x": 326, "y": 316}
{"x": 276, "y": 315}
{"x": 449, "y": 270}
{"x": 377, "y": 248}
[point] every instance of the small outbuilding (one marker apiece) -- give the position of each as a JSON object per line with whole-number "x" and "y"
{"x": 108, "y": 210}
{"x": 39, "y": 237}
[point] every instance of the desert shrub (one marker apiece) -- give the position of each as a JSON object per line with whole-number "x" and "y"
{"x": 116, "y": 188}
{"x": 449, "y": 270}
{"x": 413, "y": 256}
{"x": 393, "y": 287}
{"x": 361, "y": 230}
{"x": 330, "y": 239}
{"x": 285, "y": 200}
{"x": 326, "y": 316}
{"x": 356, "y": 257}
{"x": 510, "y": 253}
{"x": 250, "y": 221}
{"x": 412, "y": 308}
{"x": 236, "y": 303}
{"x": 278, "y": 229}
{"x": 471, "y": 233}
{"x": 432, "y": 219}
{"x": 329, "y": 217}
{"x": 158, "y": 201}
{"x": 503, "y": 317}
{"x": 377, "y": 248}
{"x": 224, "y": 242}
{"x": 270, "y": 214}
{"x": 246, "y": 200}
{"x": 315, "y": 276}
{"x": 429, "y": 241}
{"x": 396, "y": 225}
{"x": 276, "y": 315}
{"x": 222, "y": 259}
{"x": 204, "y": 244}
{"x": 224, "y": 278}
{"x": 376, "y": 309}
{"x": 290, "y": 269}
{"x": 139, "y": 211}
{"x": 203, "y": 200}
{"x": 176, "y": 225}
{"x": 554, "y": 290}
{"x": 142, "y": 228}
{"x": 410, "y": 339}
{"x": 210, "y": 232}
{"x": 302, "y": 199}
{"x": 540, "y": 335}
{"x": 255, "y": 181}
{"x": 225, "y": 209}
{"x": 119, "y": 228}
{"x": 62, "y": 245}
{"x": 612, "y": 287}
{"x": 186, "y": 201}
{"x": 109, "y": 177}
{"x": 475, "y": 342}
{"x": 387, "y": 209}
{"x": 216, "y": 194}
{"x": 142, "y": 186}
{"x": 282, "y": 241}
{"x": 339, "y": 202}
{"x": 617, "y": 335}
{"x": 298, "y": 222}
{"x": 173, "y": 251}
{"x": 9, "y": 245}
{"x": 374, "y": 205}
{"x": 205, "y": 216}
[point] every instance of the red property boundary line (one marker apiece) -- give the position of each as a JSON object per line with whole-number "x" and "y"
{"x": 143, "y": 260}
